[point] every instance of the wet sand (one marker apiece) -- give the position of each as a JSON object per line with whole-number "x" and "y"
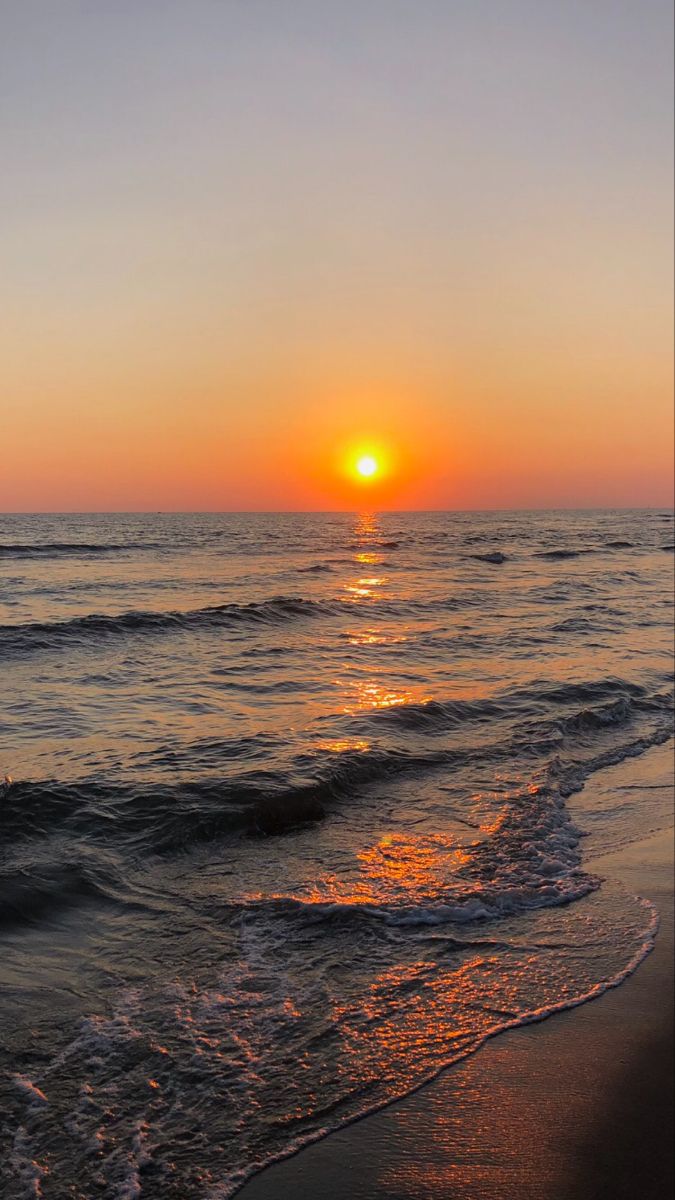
{"x": 579, "y": 1107}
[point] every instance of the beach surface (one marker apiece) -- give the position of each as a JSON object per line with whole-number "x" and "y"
{"x": 575, "y": 1108}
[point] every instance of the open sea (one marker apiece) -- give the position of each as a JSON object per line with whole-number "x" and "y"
{"x": 285, "y": 824}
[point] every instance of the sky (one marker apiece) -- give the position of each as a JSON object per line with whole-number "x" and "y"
{"x": 244, "y": 241}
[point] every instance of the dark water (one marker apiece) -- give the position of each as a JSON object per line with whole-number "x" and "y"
{"x": 287, "y": 828}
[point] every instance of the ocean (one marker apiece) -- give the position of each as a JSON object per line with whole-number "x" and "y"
{"x": 285, "y": 828}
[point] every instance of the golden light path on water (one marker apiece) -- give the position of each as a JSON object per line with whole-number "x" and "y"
{"x": 369, "y": 693}
{"x": 396, "y": 867}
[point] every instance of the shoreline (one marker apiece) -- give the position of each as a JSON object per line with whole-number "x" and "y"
{"x": 573, "y": 1106}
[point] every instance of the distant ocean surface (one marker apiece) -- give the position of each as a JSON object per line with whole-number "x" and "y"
{"x": 287, "y": 824}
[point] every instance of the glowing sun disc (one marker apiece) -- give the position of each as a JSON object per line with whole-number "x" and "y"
{"x": 367, "y": 466}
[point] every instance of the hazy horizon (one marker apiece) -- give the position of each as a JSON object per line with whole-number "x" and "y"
{"x": 244, "y": 512}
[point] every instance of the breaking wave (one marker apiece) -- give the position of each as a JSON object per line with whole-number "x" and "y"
{"x": 158, "y": 818}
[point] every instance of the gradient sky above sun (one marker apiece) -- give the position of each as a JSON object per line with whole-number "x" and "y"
{"x": 245, "y": 244}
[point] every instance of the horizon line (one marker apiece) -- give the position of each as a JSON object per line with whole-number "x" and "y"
{"x": 241, "y": 512}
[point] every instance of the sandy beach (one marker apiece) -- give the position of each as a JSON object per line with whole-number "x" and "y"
{"x": 576, "y": 1108}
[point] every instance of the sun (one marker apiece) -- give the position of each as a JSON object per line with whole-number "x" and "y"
{"x": 367, "y": 466}
{"x": 367, "y": 463}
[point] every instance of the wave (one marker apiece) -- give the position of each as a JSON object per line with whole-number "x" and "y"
{"x": 437, "y": 716}
{"x": 168, "y": 816}
{"x": 494, "y": 556}
{"x": 50, "y": 635}
{"x": 530, "y": 860}
{"x": 434, "y": 715}
{"x": 585, "y": 690}
{"x": 497, "y": 556}
{"x": 72, "y": 549}
{"x": 579, "y": 625}
{"x": 246, "y": 1046}
{"x": 187, "y": 1039}
{"x": 457, "y": 1053}
{"x": 165, "y": 817}
{"x": 376, "y": 544}
{"x": 28, "y": 898}
{"x": 562, "y": 553}
{"x": 590, "y": 720}
{"x": 79, "y": 630}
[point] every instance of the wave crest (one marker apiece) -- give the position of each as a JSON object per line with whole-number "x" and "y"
{"x": 80, "y": 630}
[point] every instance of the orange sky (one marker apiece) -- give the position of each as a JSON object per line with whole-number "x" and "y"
{"x": 242, "y": 241}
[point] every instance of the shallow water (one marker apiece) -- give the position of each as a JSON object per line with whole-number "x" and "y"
{"x": 287, "y": 828}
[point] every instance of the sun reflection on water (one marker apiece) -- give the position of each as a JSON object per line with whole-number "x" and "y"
{"x": 343, "y": 745}
{"x": 397, "y": 869}
{"x": 364, "y": 587}
{"x": 371, "y": 694}
{"x": 373, "y": 637}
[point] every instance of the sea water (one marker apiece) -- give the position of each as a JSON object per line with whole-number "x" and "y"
{"x": 285, "y": 824}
